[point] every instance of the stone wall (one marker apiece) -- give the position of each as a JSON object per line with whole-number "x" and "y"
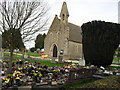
{"x": 75, "y": 50}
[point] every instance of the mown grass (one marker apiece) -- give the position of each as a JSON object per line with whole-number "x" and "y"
{"x": 20, "y": 53}
{"x": 76, "y": 85}
{"x": 34, "y": 54}
{"x": 17, "y": 57}
{"x": 116, "y": 59}
{"x": 48, "y": 63}
{"x": 115, "y": 67}
{"x": 6, "y": 53}
{"x": 30, "y": 53}
{"x": 45, "y": 62}
{"x": 108, "y": 82}
{"x": 116, "y": 63}
{"x": 112, "y": 68}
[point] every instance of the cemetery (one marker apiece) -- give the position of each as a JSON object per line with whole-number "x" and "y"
{"x": 43, "y": 73}
{"x": 67, "y": 57}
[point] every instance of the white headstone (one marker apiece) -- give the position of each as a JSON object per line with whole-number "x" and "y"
{"x": 81, "y": 62}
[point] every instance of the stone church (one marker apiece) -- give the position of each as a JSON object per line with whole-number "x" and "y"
{"x": 63, "y": 37}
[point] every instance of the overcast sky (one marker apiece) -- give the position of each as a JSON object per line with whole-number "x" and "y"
{"x": 82, "y": 11}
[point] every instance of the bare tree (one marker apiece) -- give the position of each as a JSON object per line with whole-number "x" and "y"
{"x": 27, "y": 17}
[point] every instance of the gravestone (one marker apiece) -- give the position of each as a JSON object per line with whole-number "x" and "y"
{"x": 53, "y": 60}
{"x": 60, "y": 59}
{"x": 81, "y": 62}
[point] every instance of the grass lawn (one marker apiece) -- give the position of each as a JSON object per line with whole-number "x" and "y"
{"x": 76, "y": 85}
{"x": 45, "y": 62}
{"x": 108, "y": 82}
{"x": 17, "y": 58}
{"x": 115, "y": 67}
{"x": 6, "y": 53}
{"x": 112, "y": 68}
{"x": 116, "y": 59}
{"x": 30, "y": 53}
{"x": 14, "y": 57}
{"x": 48, "y": 63}
{"x": 34, "y": 54}
{"x": 116, "y": 63}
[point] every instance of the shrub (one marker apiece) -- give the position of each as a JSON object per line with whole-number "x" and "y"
{"x": 100, "y": 40}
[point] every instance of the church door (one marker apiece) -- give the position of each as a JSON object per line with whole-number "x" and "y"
{"x": 55, "y": 51}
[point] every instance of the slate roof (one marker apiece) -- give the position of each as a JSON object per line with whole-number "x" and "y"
{"x": 74, "y": 30}
{"x": 75, "y": 33}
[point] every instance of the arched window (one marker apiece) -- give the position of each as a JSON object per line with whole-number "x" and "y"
{"x": 63, "y": 16}
{"x": 55, "y": 51}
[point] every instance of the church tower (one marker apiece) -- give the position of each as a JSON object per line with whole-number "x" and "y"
{"x": 64, "y": 13}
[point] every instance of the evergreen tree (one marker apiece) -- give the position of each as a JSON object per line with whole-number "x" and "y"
{"x": 39, "y": 42}
{"x": 15, "y": 36}
{"x": 100, "y": 40}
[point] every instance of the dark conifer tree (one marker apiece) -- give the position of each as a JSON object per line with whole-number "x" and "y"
{"x": 100, "y": 40}
{"x": 39, "y": 42}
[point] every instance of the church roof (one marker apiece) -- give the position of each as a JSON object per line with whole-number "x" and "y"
{"x": 74, "y": 30}
{"x": 75, "y": 33}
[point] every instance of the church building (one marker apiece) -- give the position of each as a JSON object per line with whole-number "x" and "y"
{"x": 63, "y": 37}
